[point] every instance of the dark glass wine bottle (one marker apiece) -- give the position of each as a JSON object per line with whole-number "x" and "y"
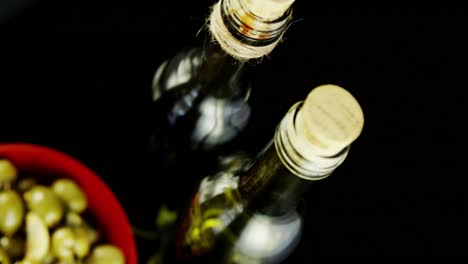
{"x": 201, "y": 95}
{"x": 246, "y": 213}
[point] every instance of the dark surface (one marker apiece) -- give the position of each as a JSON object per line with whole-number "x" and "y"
{"x": 76, "y": 76}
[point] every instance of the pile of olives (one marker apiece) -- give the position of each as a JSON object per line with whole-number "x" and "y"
{"x": 45, "y": 224}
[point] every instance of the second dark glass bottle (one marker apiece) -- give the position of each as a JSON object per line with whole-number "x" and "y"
{"x": 247, "y": 211}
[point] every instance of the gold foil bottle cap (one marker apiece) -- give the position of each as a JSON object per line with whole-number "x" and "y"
{"x": 330, "y": 119}
{"x": 268, "y": 9}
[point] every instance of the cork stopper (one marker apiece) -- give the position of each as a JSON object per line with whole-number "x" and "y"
{"x": 268, "y": 9}
{"x": 329, "y": 120}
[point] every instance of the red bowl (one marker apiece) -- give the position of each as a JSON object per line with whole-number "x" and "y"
{"x": 111, "y": 219}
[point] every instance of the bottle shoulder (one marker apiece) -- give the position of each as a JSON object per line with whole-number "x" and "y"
{"x": 176, "y": 71}
{"x": 216, "y": 73}
{"x": 182, "y": 97}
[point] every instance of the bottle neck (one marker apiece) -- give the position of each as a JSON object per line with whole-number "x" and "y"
{"x": 280, "y": 175}
{"x": 236, "y": 35}
{"x": 224, "y": 75}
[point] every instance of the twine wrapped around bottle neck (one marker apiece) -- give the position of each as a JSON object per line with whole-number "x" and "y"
{"x": 241, "y": 33}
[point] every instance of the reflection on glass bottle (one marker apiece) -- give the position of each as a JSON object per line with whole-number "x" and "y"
{"x": 205, "y": 104}
{"x": 222, "y": 227}
{"x": 246, "y": 213}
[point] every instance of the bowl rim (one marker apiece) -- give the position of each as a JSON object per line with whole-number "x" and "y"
{"x": 70, "y": 165}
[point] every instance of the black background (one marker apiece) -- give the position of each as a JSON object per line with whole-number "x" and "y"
{"x": 76, "y": 76}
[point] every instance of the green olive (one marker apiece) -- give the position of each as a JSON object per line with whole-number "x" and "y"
{"x": 25, "y": 184}
{"x": 63, "y": 242}
{"x": 104, "y": 254}
{"x": 91, "y": 235}
{"x": 73, "y": 219}
{"x": 165, "y": 217}
{"x": 13, "y": 246}
{"x": 37, "y": 238}
{"x": 50, "y": 259}
{"x": 4, "y": 259}
{"x": 11, "y": 213}
{"x": 82, "y": 242}
{"x": 71, "y": 194}
{"x": 26, "y": 261}
{"x": 8, "y": 172}
{"x": 43, "y": 201}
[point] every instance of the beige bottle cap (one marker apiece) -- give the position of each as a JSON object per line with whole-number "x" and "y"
{"x": 268, "y": 9}
{"x": 330, "y": 119}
